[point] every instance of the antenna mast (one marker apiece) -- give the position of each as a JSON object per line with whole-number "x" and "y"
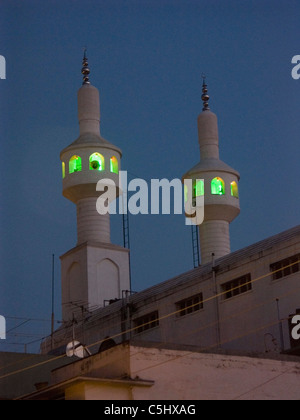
{"x": 52, "y": 312}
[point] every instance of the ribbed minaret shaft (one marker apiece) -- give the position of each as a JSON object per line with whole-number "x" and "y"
{"x": 215, "y": 239}
{"x": 90, "y": 225}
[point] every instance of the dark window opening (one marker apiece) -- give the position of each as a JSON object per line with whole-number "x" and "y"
{"x": 146, "y": 322}
{"x": 237, "y": 286}
{"x": 285, "y": 267}
{"x": 189, "y": 305}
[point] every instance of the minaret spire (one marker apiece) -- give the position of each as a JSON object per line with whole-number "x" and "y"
{"x": 205, "y": 96}
{"x": 85, "y": 69}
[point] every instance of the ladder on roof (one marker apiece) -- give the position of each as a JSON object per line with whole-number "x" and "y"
{"x": 126, "y": 239}
{"x": 195, "y": 243}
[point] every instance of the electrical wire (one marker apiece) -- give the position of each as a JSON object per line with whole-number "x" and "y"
{"x": 26, "y": 319}
{"x": 193, "y": 305}
{"x": 177, "y": 357}
{"x": 232, "y": 338}
{"x": 203, "y": 289}
{"x": 164, "y": 317}
{"x": 206, "y": 300}
{"x": 262, "y": 384}
{"x": 205, "y": 349}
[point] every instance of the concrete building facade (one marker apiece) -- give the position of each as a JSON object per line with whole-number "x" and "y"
{"x": 243, "y": 302}
{"x": 135, "y": 372}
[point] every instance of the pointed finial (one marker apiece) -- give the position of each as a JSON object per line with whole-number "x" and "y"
{"x": 85, "y": 69}
{"x": 205, "y": 96}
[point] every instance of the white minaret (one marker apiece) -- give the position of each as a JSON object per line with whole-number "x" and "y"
{"x": 219, "y": 187}
{"x": 95, "y": 270}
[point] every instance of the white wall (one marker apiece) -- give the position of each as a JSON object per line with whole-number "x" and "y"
{"x": 182, "y": 375}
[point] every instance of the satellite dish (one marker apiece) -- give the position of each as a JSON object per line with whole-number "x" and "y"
{"x": 75, "y": 348}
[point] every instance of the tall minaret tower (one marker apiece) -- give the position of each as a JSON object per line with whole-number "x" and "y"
{"x": 218, "y": 183}
{"x": 95, "y": 270}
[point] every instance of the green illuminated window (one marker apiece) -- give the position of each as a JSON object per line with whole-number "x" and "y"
{"x": 75, "y": 164}
{"x": 114, "y": 165}
{"x": 234, "y": 189}
{"x": 199, "y": 188}
{"x": 186, "y": 193}
{"x": 96, "y": 162}
{"x": 197, "y": 191}
{"x": 63, "y": 165}
{"x": 217, "y": 186}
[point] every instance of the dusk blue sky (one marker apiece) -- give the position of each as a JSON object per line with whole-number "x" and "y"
{"x": 146, "y": 59}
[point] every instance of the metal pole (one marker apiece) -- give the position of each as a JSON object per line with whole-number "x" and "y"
{"x": 52, "y": 312}
{"x": 217, "y": 302}
{"x": 195, "y": 244}
{"x": 280, "y": 326}
{"x": 126, "y": 236}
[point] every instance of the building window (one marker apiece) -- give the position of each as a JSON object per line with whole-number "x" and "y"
{"x": 285, "y": 267}
{"x": 217, "y": 186}
{"x": 114, "y": 165}
{"x": 75, "y": 164}
{"x": 198, "y": 188}
{"x": 234, "y": 189}
{"x": 186, "y": 193}
{"x": 63, "y": 166}
{"x": 96, "y": 162}
{"x": 237, "y": 287}
{"x": 146, "y": 322}
{"x": 189, "y": 305}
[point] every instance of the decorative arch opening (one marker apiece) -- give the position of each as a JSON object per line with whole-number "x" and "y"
{"x": 114, "y": 165}
{"x": 217, "y": 186}
{"x": 107, "y": 291}
{"x": 107, "y": 344}
{"x": 234, "y": 189}
{"x": 75, "y": 164}
{"x": 74, "y": 283}
{"x": 97, "y": 162}
{"x": 63, "y": 167}
{"x": 186, "y": 193}
{"x": 198, "y": 188}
